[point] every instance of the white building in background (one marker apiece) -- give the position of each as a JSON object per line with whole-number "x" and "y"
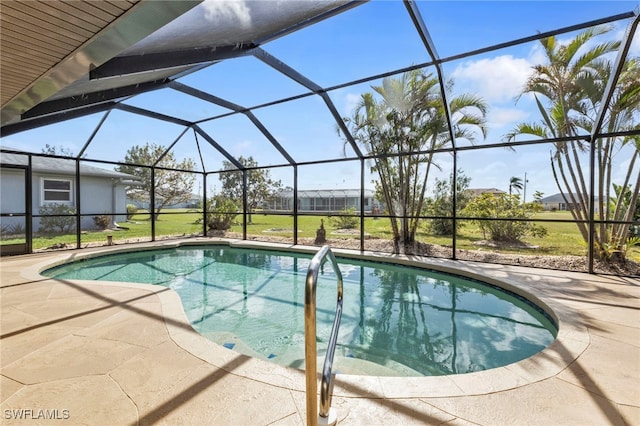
{"x": 325, "y": 200}
{"x": 557, "y": 202}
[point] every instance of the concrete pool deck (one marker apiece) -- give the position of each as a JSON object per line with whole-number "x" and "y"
{"x": 124, "y": 354}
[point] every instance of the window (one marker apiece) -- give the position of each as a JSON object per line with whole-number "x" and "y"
{"x": 56, "y": 191}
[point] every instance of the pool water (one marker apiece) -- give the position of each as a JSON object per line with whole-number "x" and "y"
{"x": 397, "y": 320}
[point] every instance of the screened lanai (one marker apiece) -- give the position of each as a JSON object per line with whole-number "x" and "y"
{"x": 455, "y": 119}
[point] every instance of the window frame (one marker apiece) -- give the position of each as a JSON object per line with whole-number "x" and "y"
{"x": 43, "y": 191}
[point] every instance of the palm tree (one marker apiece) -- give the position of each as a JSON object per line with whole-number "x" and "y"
{"x": 401, "y": 128}
{"x": 568, "y": 92}
{"x": 515, "y": 183}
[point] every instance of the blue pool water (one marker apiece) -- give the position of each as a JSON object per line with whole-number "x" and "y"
{"x": 397, "y": 320}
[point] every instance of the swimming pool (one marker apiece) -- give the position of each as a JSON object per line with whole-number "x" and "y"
{"x": 397, "y": 320}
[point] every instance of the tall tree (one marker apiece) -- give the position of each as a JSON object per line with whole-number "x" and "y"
{"x": 172, "y": 184}
{"x": 515, "y": 183}
{"x": 260, "y": 186}
{"x": 401, "y": 124}
{"x": 569, "y": 90}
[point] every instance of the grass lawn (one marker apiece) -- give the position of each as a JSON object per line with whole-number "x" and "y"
{"x": 177, "y": 223}
{"x": 561, "y": 238}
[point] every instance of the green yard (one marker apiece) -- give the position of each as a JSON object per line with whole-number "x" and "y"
{"x": 562, "y": 238}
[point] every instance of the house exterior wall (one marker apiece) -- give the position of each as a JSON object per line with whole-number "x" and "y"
{"x": 553, "y": 206}
{"x": 562, "y": 206}
{"x": 557, "y": 205}
{"x": 99, "y": 195}
{"x": 120, "y": 202}
{"x": 37, "y": 201}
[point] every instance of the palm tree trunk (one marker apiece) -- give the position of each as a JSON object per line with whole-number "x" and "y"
{"x": 414, "y": 197}
{"x": 404, "y": 197}
{"x": 620, "y": 231}
{"x": 581, "y": 226}
{"x": 603, "y": 207}
{"x": 414, "y": 229}
{"x": 385, "y": 179}
{"x": 582, "y": 192}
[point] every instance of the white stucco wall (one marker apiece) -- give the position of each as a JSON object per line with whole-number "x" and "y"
{"x": 102, "y": 196}
{"x": 99, "y": 196}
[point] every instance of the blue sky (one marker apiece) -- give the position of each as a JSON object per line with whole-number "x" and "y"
{"x": 367, "y": 40}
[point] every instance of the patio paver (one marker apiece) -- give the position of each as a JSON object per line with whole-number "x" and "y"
{"x": 120, "y": 354}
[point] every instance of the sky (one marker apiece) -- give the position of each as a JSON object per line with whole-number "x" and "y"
{"x": 374, "y": 38}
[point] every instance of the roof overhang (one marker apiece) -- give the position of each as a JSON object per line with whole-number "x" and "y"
{"x": 140, "y": 46}
{"x": 84, "y": 37}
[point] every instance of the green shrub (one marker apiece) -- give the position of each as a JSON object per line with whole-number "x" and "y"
{"x": 54, "y": 220}
{"x": 441, "y": 205}
{"x": 508, "y": 208}
{"x": 221, "y": 212}
{"x": 103, "y": 221}
{"x": 131, "y": 210}
{"x": 346, "y": 219}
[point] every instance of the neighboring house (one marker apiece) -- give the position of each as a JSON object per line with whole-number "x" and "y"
{"x": 102, "y": 191}
{"x": 556, "y": 202}
{"x": 324, "y": 200}
{"x": 476, "y": 192}
{"x": 194, "y": 202}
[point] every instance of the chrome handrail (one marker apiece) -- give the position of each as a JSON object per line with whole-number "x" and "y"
{"x": 326, "y": 415}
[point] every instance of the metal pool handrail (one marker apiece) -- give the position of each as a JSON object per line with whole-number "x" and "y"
{"x": 326, "y": 415}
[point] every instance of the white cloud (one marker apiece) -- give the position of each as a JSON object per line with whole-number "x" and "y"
{"x": 537, "y": 55}
{"x": 501, "y": 117}
{"x": 351, "y": 101}
{"x": 634, "y": 50}
{"x": 235, "y": 11}
{"x": 635, "y": 45}
{"x": 498, "y": 79}
{"x": 502, "y": 78}
{"x": 491, "y": 169}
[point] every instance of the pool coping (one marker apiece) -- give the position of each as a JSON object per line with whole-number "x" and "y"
{"x": 572, "y": 339}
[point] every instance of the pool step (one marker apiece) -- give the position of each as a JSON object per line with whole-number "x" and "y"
{"x": 294, "y": 358}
